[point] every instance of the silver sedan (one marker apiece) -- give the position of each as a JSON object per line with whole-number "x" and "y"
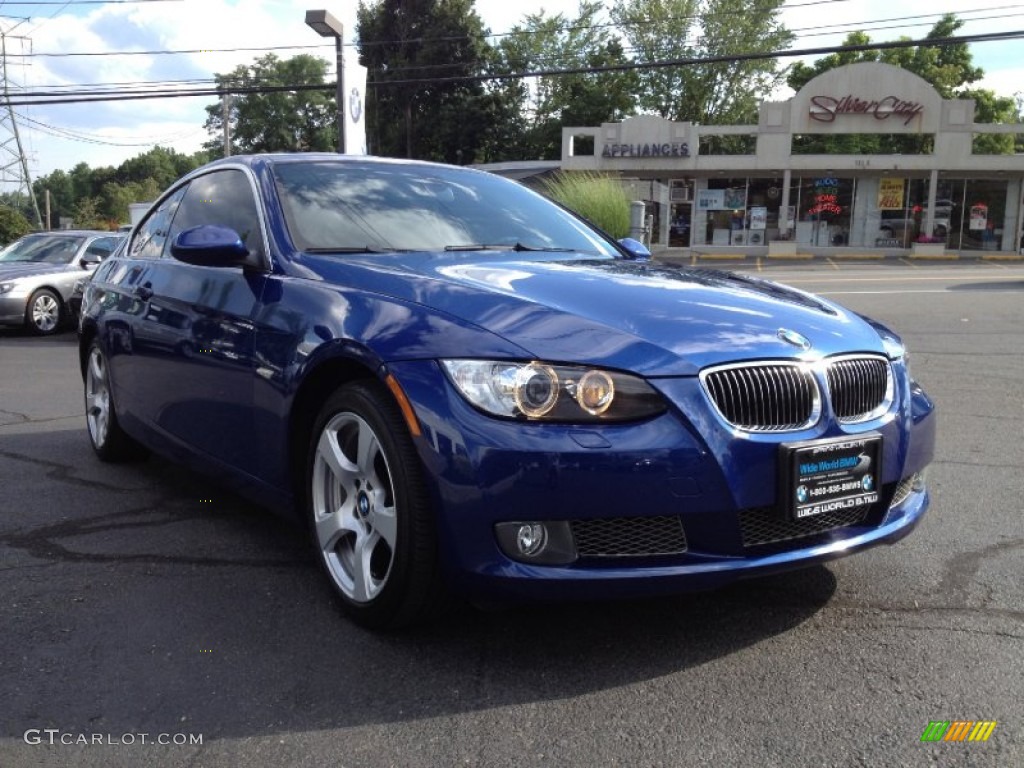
{"x": 38, "y": 275}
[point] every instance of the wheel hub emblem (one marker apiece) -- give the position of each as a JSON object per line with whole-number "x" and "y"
{"x": 363, "y": 505}
{"x": 794, "y": 338}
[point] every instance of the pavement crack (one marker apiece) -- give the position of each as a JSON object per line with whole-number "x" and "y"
{"x": 44, "y": 543}
{"x": 29, "y": 420}
{"x": 61, "y": 472}
{"x": 960, "y": 570}
{"x": 23, "y": 418}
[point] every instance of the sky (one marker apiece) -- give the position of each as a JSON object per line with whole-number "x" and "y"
{"x": 61, "y": 136}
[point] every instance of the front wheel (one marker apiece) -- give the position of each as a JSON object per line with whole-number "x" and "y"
{"x": 369, "y": 512}
{"x": 44, "y": 313}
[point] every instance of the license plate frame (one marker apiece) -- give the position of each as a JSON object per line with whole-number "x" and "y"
{"x": 829, "y": 475}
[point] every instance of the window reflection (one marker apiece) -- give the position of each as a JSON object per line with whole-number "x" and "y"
{"x": 352, "y": 206}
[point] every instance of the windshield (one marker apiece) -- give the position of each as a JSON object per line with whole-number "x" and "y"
{"x": 369, "y": 207}
{"x": 42, "y": 249}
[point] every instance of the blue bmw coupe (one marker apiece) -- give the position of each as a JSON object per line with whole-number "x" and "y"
{"x": 461, "y": 387}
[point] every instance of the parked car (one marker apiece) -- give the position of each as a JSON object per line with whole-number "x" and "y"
{"x": 460, "y": 386}
{"x": 896, "y": 224}
{"x": 38, "y": 273}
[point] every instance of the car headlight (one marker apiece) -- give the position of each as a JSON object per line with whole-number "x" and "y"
{"x": 6, "y": 288}
{"x": 544, "y": 391}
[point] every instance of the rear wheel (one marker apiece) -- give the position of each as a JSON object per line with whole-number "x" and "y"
{"x": 44, "y": 313}
{"x": 110, "y": 442}
{"x": 368, "y": 510}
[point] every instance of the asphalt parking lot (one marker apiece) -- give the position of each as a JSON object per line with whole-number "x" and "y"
{"x": 143, "y": 599}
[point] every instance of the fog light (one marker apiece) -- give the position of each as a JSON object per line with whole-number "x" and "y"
{"x": 919, "y": 480}
{"x": 531, "y": 538}
{"x": 547, "y": 543}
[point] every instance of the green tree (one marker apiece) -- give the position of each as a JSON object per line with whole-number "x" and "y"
{"x": 415, "y": 52}
{"x": 724, "y": 93}
{"x": 278, "y": 121}
{"x": 162, "y": 165}
{"x": 88, "y": 214}
{"x": 950, "y": 70}
{"x": 115, "y": 198}
{"x": 548, "y": 103}
{"x": 13, "y": 225}
{"x": 990, "y": 108}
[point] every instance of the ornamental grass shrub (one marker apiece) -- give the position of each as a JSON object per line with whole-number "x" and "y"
{"x": 598, "y": 198}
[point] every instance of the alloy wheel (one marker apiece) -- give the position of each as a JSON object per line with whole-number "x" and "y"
{"x": 354, "y": 512}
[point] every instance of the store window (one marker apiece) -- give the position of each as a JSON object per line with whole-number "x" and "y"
{"x": 741, "y": 211}
{"x": 725, "y": 204}
{"x": 982, "y": 217}
{"x": 823, "y": 205}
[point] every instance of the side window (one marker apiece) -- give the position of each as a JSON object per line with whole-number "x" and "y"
{"x": 149, "y": 239}
{"x": 102, "y": 247}
{"x": 223, "y": 198}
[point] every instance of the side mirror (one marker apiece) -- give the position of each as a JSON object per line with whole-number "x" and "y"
{"x": 635, "y": 249}
{"x": 89, "y": 260}
{"x": 209, "y": 245}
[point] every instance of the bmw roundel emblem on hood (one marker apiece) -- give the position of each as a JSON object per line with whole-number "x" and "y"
{"x": 794, "y": 338}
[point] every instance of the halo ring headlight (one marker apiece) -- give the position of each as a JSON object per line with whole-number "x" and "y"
{"x": 595, "y": 392}
{"x": 536, "y": 389}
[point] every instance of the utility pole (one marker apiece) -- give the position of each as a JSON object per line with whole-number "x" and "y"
{"x": 13, "y": 164}
{"x": 225, "y": 107}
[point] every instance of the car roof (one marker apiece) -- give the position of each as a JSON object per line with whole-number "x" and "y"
{"x": 259, "y": 161}
{"x": 73, "y": 233}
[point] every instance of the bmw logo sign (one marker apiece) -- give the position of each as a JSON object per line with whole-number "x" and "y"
{"x": 802, "y": 495}
{"x": 794, "y": 338}
{"x": 355, "y": 105}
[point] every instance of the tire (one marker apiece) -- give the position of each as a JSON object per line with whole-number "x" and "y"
{"x": 368, "y": 510}
{"x": 44, "y": 313}
{"x": 111, "y": 443}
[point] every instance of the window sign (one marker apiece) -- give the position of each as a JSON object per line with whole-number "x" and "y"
{"x": 890, "y": 194}
{"x": 826, "y": 197}
{"x": 758, "y": 217}
{"x": 711, "y": 200}
{"x": 979, "y": 216}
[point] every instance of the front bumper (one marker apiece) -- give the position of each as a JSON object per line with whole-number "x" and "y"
{"x": 683, "y": 464}
{"x": 12, "y": 309}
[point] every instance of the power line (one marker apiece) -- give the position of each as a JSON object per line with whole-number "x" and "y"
{"x": 40, "y": 99}
{"x": 553, "y": 60}
{"x": 451, "y": 38}
{"x": 64, "y": 133}
{"x": 183, "y": 51}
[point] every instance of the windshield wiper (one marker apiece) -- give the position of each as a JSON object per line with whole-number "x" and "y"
{"x": 499, "y": 247}
{"x": 355, "y": 249}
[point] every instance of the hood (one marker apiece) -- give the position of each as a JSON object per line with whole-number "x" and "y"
{"x": 653, "y": 319}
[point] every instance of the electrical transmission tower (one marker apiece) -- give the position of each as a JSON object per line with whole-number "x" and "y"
{"x": 14, "y": 175}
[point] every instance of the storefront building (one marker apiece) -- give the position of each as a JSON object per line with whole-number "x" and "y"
{"x": 912, "y": 180}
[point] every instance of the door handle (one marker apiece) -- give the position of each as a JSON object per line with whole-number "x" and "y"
{"x": 144, "y": 291}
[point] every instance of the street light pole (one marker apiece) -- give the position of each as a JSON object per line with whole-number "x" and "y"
{"x": 325, "y": 25}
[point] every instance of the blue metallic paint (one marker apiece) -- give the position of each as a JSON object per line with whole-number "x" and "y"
{"x": 210, "y": 368}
